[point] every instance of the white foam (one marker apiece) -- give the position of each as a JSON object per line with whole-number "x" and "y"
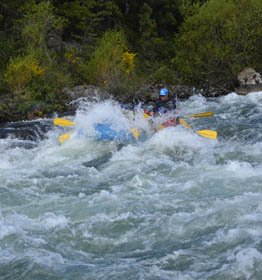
{"x": 231, "y": 98}
{"x": 245, "y": 260}
{"x": 20, "y": 224}
{"x": 255, "y": 97}
{"x": 44, "y": 257}
{"x": 50, "y": 220}
{"x": 234, "y": 98}
{"x": 179, "y": 137}
{"x": 242, "y": 169}
{"x": 196, "y": 102}
{"x": 103, "y": 112}
{"x": 6, "y": 230}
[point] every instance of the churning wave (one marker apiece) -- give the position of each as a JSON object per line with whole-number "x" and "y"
{"x": 173, "y": 206}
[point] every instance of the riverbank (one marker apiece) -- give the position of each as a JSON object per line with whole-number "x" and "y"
{"x": 10, "y": 110}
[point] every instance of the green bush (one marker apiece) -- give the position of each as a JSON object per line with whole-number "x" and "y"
{"x": 31, "y": 84}
{"x": 48, "y": 87}
{"x": 20, "y": 72}
{"x": 218, "y": 41}
{"x": 112, "y": 66}
{"x": 38, "y": 21}
{"x": 111, "y": 63}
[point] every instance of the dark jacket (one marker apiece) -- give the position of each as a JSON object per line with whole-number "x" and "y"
{"x": 165, "y": 106}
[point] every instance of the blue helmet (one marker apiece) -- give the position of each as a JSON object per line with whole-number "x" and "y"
{"x": 163, "y": 92}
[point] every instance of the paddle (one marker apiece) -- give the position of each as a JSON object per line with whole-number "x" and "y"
{"x": 135, "y": 133}
{"x": 63, "y": 122}
{"x": 62, "y": 138}
{"x": 184, "y": 123}
{"x": 210, "y": 134}
{"x": 200, "y": 115}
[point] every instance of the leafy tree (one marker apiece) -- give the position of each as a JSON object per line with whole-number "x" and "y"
{"x": 35, "y": 75}
{"x": 129, "y": 18}
{"x": 167, "y": 15}
{"x": 7, "y": 49}
{"x": 88, "y": 20}
{"x": 38, "y": 21}
{"x": 9, "y": 44}
{"x": 149, "y": 43}
{"x": 147, "y": 30}
{"x": 111, "y": 63}
{"x": 218, "y": 41}
{"x": 81, "y": 23}
{"x": 189, "y": 8}
{"x": 10, "y": 10}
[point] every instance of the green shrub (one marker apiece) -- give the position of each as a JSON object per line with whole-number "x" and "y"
{"x": 38, "y": 21}
{"x": 218, "y": 41}
{"x": 111, "y": 63}
{"x": 20, "y": 72}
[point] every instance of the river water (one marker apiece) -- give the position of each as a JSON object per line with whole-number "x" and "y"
{"x": 174, "y": 206}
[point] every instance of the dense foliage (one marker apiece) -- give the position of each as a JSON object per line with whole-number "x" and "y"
{"x": 218, "y": 41}
{"x": 120, "y": 45}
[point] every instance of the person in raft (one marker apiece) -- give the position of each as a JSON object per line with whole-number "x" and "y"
{"x": 164, "y": 104}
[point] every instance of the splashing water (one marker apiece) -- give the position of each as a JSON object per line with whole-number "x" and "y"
{"x": 175, "y": 206}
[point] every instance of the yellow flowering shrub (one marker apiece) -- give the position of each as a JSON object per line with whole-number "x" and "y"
{"x": 128, "y": 61}
{"x": 110, "y": 63}
{"x": 20, "y": 72}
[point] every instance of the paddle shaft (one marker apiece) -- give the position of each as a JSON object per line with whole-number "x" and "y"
{"x": 200, "y": 115}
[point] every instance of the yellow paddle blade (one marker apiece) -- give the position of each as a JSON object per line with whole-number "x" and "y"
{"x": 146, "y": 116}
{"x": 62, "y": 138}
{"x": 200, "y": 115}
{"x": 210, "y": 134}
{"x": 63, "y": 122}
{"x": 184, "y": 123}
{"x": 135, "y": 132}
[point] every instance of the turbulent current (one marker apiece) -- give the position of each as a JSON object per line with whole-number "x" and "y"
{"x": 173, "y": 206}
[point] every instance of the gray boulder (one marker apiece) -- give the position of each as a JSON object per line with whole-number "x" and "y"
{"x": 249, "y": 81}
{"x": 249, "y": 77}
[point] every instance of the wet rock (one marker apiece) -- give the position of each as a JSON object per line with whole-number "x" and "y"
{"x": 26, "y": 130}
{"x": 183, "y": 92}
{"x": 214, "y": 92}
{"x": 249, "y": 81}
{"x": 249, "y": 77}
{"x": 244, "y": 90}
{"x": 21, "y": 144}
{"x": 98, "y": 161}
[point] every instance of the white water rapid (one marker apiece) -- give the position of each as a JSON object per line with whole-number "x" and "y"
{"x": 173, "y": 206}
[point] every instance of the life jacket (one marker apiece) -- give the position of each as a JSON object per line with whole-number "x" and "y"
{"x": 163, "y": 106}
{"x": 148, "y": 110}
{"x": 171, "y": 122}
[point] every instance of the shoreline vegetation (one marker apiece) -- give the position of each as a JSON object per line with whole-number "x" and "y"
{"x": 124, "y": 49}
